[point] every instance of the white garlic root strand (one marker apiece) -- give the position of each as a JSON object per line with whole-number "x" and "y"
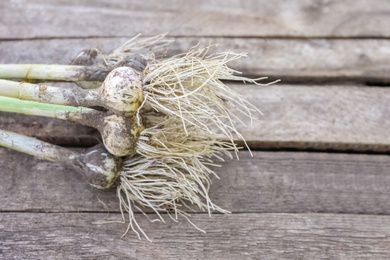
{"x": 186, "y": 107}
{"x": 189, "y": 87}
{"x": 171, "y": 173}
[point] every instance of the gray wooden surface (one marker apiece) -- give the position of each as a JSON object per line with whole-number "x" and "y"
{"x": 318, "y": 184}
{"x": 318, "y": 60}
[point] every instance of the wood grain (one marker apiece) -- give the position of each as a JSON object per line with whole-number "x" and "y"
{"x": 243, "y": 236}
{"x": 319, "y": 117}
{"x": 279, "y": 18}
{"x": 340, "y": 118}
{"x": 293, "y": 60}
{"x": 268, "y": 182}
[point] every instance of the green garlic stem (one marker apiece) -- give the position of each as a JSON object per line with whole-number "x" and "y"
{"x": 49, "y": 94}
{"x": 40, "y": 71}
{"x": 100, "y": 168}
{"x": 52, "y": 72}
{"x": 121, "y": 92}
{"x": 119, "y": 134}
{"x": 70, "y": 113}
{"x": 37, "y": 148}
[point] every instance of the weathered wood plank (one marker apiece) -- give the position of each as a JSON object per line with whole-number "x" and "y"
{"x": 240, "y": 236}
{"x": 321, "y": 117}
{"x": 304, "y": 18}
{"x": 298, "y": 117}
{"x": 268, "y": 182}
{"x": 294, "y": 60}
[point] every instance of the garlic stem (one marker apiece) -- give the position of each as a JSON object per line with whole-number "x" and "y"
{"x": 70, "y": 113}
{"x": 119, "y": 133}
{"x": 37, "y": 148}
{"x": 121, "y": 92}
{"x": 98, "y": 166}
{"x": 52, "y": 72}
{"x": 49, "y": 94}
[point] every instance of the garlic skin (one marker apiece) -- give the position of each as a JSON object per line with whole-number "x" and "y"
{"x": 120, "y": 134}
{"x": 122, "y": 91}
{"x": 122, "y": 94}
{"x": 99, "y": 167}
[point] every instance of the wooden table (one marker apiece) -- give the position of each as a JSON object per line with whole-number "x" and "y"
{"x": 318, "y": 184}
